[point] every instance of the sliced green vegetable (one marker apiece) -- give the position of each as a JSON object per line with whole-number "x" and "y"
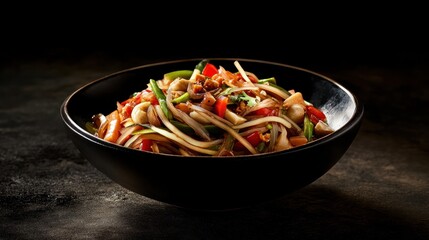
{"x": 186, "y": 74}
{"x": 161, "y": 98}
{"x": 308, "y": 128}
{"x": 212, "y": 129}
{"x": 183, "y": 98}
{"x": 261, "y": 147}
{"x": 143, "y": 131}
{"x": 227, "y": 91}
{"x": 251, "y": 101}
{"x": 201, "y": 65}
{"x": 267, "y": 80}
{"x": 198, "y": 69}
{"x": 90, "y": 127}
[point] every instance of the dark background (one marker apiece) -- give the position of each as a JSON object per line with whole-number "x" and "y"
{"x": 378, "y": 190}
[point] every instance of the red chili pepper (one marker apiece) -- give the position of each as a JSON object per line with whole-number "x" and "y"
{"x": 220, "y": 105}
{"x": 146, "y": 145}
{"x": 135, "y": 99}
{"x": 315, "y": 114}
{"x": 266, "y": 112}
{"x": 252, "y": 138}
{"x": 209, "y": 70}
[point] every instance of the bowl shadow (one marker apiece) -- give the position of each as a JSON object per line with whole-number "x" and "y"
{"x": 314, "y": 212}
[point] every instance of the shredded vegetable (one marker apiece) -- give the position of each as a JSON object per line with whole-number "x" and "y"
{"x": 212, "y": 111}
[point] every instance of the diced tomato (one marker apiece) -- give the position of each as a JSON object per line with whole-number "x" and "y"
{"x": 315, "y": 114}
{"x": 146, "y": 145}
{"x": 313, "y": 118}
{"x": 220, "y": 105}
{"x": 148, "y": 96}
{"x": 266, "y": 112}
{"x": 127, "y": 109}
{"x": 209, "y": 70}
{"x": 254, "y": 139}
{"x": 136, "y": 99}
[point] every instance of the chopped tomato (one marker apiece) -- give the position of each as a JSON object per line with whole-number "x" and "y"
{"x": 146, "y": 145}
{"x": 220, "y": 105}
{"x": 254, "y": 139}
{"x": 266, "y": 112}
{"x": 148, "y": 96}
{"x": 127, "y": 109}
{"x": 136, "y": 99}
{"x": 315, "y": 114}
{"x": 209, "y": 70}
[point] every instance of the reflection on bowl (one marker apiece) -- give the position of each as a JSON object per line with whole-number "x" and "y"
{"x": 214, "y": 183}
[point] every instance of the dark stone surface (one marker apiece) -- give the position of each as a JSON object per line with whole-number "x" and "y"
{"x": 378, "y": 190}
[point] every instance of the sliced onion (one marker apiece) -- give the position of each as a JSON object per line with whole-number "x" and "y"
{"x": 126, "y": 133}
{"x": 282, "y": 140}
{"x": 184, "y": 152}
{"x": 182, "y": 135}
{"x": 263, "y": 120}
{"x": 132, "y": 140}
{"x": 273, "y": 137}
{"x": 272, "y": 89}
{"x": 178, "y": 140}
{"x": 203, "y": 110}
{"x": 154, "y": 147}
{"x": 242, "y": 72}
{"x": 231, "y": 131}
{"x": 252, "y": 75}
{"x": 243, "y": 88}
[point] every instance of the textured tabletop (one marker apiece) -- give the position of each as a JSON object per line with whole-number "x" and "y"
{"x": 378, "y": 190}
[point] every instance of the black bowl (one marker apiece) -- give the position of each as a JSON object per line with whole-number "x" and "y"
{"x": 214, "y": 183}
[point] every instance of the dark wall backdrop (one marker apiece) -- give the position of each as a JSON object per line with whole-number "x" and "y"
{"x": 385, "y": 35}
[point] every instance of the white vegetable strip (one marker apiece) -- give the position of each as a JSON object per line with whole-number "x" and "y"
{"x": 242, "y": 72}
{"x": 237, "y": 89}
{"x": 131, "y": 140}
{"x": 139, "y": 137}
{"x": 232, "y": 132}
{"x": 203, "y": 110}
{"x": 273, "y": 137}
{"x": 175, "y": 138}
{"x": 263, "y": 120}
{"x": 194, "y": 74}
{"x": 183, "y": 152}
{"x": 126, "y": 133}
{"x": 182, "y": 135}
{"x": 282, "y": 140}
{"x": 272, "y": 89}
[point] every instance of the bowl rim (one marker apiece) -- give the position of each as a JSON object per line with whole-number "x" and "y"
{"x": 354, "y": 120}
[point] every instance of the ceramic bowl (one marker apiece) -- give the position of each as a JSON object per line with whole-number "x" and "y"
{"x": 214, "y": 183}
